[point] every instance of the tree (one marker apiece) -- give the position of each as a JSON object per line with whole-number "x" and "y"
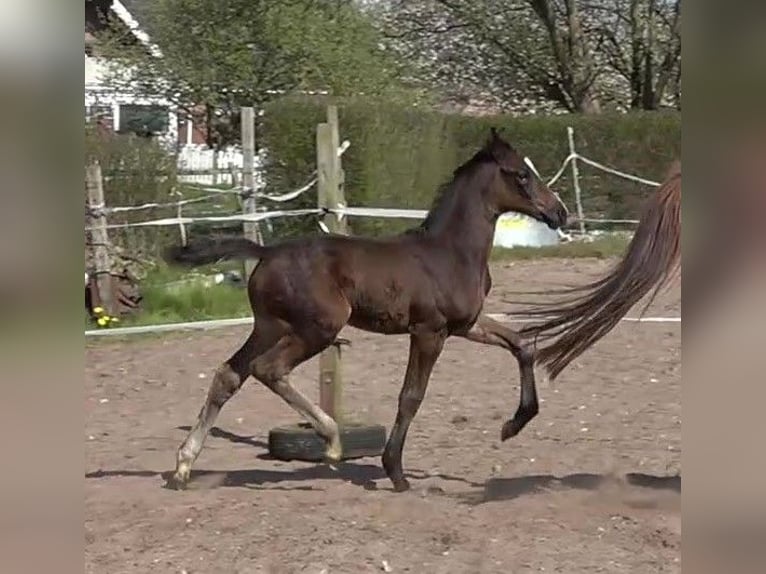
{"x": 219, "y": 56}
{"x": 511, "y": 50}
{"x": 574, "y": 55}
{"x": 643, "y": 45}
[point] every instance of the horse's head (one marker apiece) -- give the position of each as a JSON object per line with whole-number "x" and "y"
{"x": 517, "y": 187}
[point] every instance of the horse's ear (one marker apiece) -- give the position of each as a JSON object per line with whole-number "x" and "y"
{"x": 493, "y": 138}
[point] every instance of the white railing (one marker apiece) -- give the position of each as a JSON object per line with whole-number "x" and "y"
{"x": 216, "y": 167}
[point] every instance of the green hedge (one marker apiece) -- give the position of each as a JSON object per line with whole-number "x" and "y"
{"x": 399, "y": 155}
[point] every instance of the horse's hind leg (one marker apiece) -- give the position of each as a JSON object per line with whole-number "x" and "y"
{"x": 272, "y": 369}
{"x": 228, "y": 378}
{"x": 490, "y": 332}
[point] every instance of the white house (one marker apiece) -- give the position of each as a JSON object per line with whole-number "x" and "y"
{"x": 128, "y": 112}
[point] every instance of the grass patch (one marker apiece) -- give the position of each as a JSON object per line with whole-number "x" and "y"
{"x": 600, "y": 248}
{"x": 176, "y": 295}
{"x": 190, "y": 303}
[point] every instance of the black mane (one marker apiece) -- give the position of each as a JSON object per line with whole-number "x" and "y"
{"x": 447, "y": 192}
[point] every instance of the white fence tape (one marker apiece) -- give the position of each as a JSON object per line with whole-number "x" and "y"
{"x": 588, "y": 220}
{"x": 561, "y": 170}
{"x": 213, "y": 191}
{"x": 216, "y": 190}
{"x": 109, "y": 210}
{"x": 384, "y": 212}
{"x": 291, "y": 195}
{"x": 616, "y": 172}
{"x": 235, "y": 322}
{"x": 215, "y": 218}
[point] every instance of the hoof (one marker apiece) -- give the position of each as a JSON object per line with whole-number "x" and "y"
{"x": 401, "y": 485}
{"x": 334, "y": 453}
{"x": 176, "y": 482}
{"x": 180, "y": 478}
{"x": 510, "y": 429}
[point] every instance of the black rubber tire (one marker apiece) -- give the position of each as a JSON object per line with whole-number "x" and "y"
{"x": 301, "y": 442}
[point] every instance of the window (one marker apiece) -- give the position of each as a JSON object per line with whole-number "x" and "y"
{"x": 143, "y": 119}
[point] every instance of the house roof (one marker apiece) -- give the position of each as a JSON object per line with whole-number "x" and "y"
{"x": 129, "y": 12}
{"x": 132, "y": 21}
{"x": 134, "y": 5}
{"x": 137, "y": 9}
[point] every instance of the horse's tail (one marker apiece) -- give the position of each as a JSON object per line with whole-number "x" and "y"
{"x": 653, "y": 256}
{"x": 204, "y": 251}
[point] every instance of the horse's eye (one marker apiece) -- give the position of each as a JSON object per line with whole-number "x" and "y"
{"x": 522, "y": 177}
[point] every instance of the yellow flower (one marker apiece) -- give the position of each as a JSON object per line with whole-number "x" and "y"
{"x": 98, "y": 310}
{"x": 115, "y": 319}
{"x": 102, "y": 321}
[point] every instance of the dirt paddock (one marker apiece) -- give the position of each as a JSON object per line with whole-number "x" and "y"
{"x": 591, "y": 485}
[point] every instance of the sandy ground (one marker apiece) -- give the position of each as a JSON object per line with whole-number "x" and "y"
{"x": 591, "y": 485}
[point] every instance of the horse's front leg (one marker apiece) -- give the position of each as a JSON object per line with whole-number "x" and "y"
{"x": 490, "y": 332}
{"x": 425, "y": 349}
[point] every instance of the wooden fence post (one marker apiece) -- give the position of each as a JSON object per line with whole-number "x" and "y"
{"x": 233, "y": 174}
{"x": 330, "y": 196}
{"x": 250, "y": 228}
{"x": 576, "y": 180}
{"x": 94, "y": 184}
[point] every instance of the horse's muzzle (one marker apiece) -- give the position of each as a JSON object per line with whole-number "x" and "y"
{"x": 556, "y": 217}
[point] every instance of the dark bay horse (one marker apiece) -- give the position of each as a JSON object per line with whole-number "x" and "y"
{"x": 574, "y": 324}
{"x": 429, "y": 282}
